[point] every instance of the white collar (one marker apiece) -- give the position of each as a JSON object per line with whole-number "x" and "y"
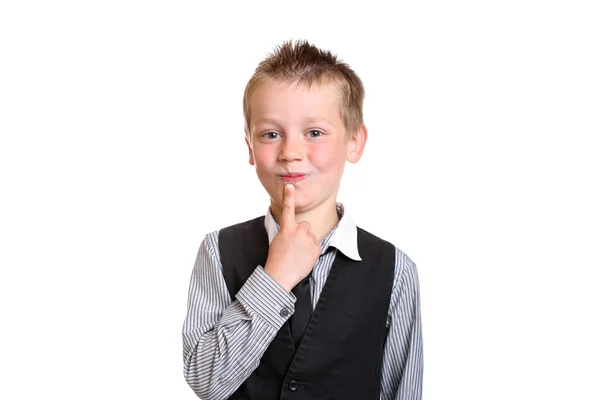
{"x": 344, "y": 237}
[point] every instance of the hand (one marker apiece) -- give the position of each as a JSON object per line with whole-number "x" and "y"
{"x": 294, "y": 250}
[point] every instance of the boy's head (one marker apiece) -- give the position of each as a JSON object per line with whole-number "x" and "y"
{"x": 303, "y": 112}
{"x": 303, "y": 64}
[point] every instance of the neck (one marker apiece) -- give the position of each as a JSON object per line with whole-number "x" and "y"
{"x": 322, "y": 219}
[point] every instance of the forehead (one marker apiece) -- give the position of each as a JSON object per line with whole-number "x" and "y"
{"x": 284, "y": 100}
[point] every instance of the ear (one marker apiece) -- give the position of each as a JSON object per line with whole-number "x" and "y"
{"x": 356, "y": 144}
{"x": 250, "y": 153}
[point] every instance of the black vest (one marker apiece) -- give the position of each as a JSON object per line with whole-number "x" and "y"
{"x": 341, "y": 353}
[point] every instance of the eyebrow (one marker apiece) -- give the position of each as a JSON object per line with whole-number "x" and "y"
{"x": 263, "y": 120}
{"x": 318, "y": 119}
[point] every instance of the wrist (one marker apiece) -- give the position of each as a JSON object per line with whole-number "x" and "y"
{"x": 283, "y": 280}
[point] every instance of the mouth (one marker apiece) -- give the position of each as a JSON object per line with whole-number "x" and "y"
{"x": 292, "y": 178}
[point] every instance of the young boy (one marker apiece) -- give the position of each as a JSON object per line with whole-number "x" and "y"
{"x": 301, "y": 303}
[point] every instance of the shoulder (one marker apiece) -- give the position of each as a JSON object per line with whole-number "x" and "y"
{"x": 404, "y": 263}
{"x": 234, "y": 232}
{"x": 246, "y": 224}
{"x": 243, "y": 230}
{"x": 405, "y": 282}
{"x": 404, "y": 267}
{"x": 367, "y": 241}
{"x": 369, "y": 238}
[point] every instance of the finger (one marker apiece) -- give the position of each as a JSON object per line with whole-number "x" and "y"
{"x": 288, "y": 214}
{"x": 304, "y": 225}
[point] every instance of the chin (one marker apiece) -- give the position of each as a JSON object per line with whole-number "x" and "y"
{"x": 302, "y": 203}
{"x": 307, "y": 204}
{"x": 303, "y": 207}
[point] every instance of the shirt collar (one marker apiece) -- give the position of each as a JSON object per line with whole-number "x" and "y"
{"x": 344, "y": 236}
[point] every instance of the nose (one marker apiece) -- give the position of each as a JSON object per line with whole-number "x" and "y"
{"x": 292, "y": 149}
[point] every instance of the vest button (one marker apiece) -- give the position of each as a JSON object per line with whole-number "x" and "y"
{"x": 284, "y": 313}
{"x": 293, "y": 386}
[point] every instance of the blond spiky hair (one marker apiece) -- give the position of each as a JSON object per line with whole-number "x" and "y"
{"x": 306, "y": 64}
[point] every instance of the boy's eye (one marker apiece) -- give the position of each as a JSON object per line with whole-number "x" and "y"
{"x": 271, "y": 135}
{"x": 315, "y": 133}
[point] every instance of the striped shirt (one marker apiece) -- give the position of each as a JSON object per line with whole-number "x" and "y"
{"x": 223, "y": 341}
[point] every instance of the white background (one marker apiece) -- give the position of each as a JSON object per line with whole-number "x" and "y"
{"x": 122, "y": 146}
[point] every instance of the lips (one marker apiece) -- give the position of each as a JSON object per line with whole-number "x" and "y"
{"x": 293, "y": 177}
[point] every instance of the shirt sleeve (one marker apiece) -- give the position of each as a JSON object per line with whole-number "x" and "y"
{"x": 402, "y": 371}
{"x": 223, "y": 341}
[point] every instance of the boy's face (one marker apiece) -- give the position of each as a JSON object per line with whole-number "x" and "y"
{"x": 298, "y": 130}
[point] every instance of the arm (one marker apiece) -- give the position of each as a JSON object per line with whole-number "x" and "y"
{"x": 402, "y": 373}
{"x": 223, "y": 341}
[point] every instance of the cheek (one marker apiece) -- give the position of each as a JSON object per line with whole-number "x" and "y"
{"x": 261, "y": 159}
{"x": 263, "y": 164}
{"x": 329, "y": 163}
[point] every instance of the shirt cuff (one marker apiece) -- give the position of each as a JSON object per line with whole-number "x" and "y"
{"x": 261, "y": 295}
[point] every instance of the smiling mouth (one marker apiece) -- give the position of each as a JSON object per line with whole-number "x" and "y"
{"x": 291, "y": 178}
